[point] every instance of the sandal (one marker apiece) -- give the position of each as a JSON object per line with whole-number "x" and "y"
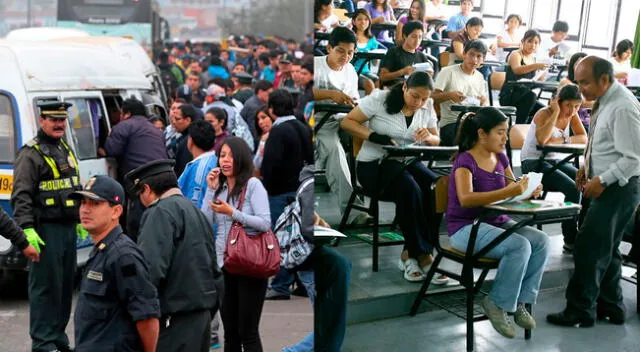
{"x": 438, "y": 279}
{"x": 410, "y": 268}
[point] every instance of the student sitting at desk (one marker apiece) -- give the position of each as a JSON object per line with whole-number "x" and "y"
{"x": 585, "y": 109}
{"x": 398, "y": 62}
{"x": 456, "y": 83}
{"x": 510, "y": 37}
{"x": 553, "y": 125}
{"x": 473, "y": 184}
{"x": 457, "y": 22}
{"x": 621, "y": 60}
{"x": 325, "y": 20}
{"x": 471, "y": 31}
{"x": 366, "y": 42}
{"x": 381, "y": 12}
{"x": 416, "y": 13}
{"x": 522, "y": 64}
{"x": 555, "y": 44}
{"x": 401, "y": 116}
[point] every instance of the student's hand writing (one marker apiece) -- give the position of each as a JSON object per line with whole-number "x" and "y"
{"x": 212, "y": 178}
{"x": 221, "y": 207}
{"x": 341, "y": 98}
{"x": 517, "y": 188}
{"x": 421, "y": 135}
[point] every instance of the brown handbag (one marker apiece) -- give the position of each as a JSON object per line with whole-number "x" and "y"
{"x": 255, "y": 256}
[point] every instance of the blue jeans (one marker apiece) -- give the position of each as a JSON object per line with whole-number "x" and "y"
{"x": 306, "y": 344}
{"x": 522, "y": 255}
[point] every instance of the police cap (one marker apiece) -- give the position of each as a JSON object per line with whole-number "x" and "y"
{"x": 243, "y": 78}
{"x": 149, "y": 169}
{"x": 102, "y": 188}
{"x": 54, "y": 108}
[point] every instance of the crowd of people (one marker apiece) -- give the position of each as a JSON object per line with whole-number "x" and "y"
{"x": 408, "y": 102}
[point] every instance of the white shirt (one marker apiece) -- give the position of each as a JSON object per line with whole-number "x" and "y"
{"x": 344, "y": 80}
{"x": 624, "y": 67}
{"x": 392, "y": 125}
{"x": 329, "y": 22}
{"x": 564, "y": 49}
{"x": 529, "y": 149}
{"x": 432, "y": 10}
{"x": 453, "y": 79}
{"x": 501, "y": 55}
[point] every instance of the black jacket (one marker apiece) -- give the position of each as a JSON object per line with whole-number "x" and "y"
{"x": 11, "y": 231}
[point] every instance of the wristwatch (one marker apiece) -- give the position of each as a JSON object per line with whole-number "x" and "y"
{"x": 602, "y": 182}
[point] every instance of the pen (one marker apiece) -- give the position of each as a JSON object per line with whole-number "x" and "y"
{"x": 505, "y": 176}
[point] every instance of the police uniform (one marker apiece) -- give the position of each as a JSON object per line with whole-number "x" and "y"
{"x": 45, "y": 174}
{"x": 115, "y": 291}
{"x": 178, "y": 243}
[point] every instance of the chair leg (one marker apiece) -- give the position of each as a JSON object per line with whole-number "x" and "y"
{"x": 470, "y": 333}
{"x": 527, "y": 332}
{"x": 478, "y": 284}
{"x": 347, "y": 211}
{"x": 539, "y": 226}
{"x": 425, "y": 286}
{"x": 376, "y": 232}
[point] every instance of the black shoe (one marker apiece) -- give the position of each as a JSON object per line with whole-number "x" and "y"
{"x": 274, "y": 296}
{"x": 65, "y": 349}
{"x": 567, "y": 319}
{"x": 614, "y": 316}
{"x": 300, "y": 291}
{"x": 567, "y": 248}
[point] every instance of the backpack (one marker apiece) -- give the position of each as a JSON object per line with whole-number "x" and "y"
{"x": 169, "y": 81}
{"x": 294, "y": 248}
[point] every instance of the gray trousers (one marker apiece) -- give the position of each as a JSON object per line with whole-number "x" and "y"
{"x": 215, "y": 327}
{"x": 331, "y": 156}
{"x": 187, "y": 332}
{"x": 596, "y": 255}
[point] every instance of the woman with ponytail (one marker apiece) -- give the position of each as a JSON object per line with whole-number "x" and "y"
{"x": 478, "y": 179}
{"x": 401, "y": 116}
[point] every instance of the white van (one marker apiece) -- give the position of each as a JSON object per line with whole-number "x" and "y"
{"x": 91, "y": 77}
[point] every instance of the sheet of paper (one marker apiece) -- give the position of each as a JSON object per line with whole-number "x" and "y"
{"x": 633, "y": 80}
{"x": 319, "y": 231}
{"x": 535, "y": 180}
{"x": 540, "y": 74}
{"x": 424, "y": 66}
{"x": 469, "y": 100}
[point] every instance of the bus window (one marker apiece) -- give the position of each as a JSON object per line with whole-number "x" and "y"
{"x": 7, "y": 131}
{"x": 82, "y": 118}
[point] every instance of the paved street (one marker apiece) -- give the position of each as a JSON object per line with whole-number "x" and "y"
{"x": 283, "y": 322}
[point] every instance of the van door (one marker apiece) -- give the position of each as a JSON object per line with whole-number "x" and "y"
{"x": 88, "y": 130}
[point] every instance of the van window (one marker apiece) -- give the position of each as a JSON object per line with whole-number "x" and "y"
{"x": 85, "y": 121}
{"x": 7, "y": 131}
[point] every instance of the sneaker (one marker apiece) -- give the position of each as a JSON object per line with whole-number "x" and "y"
{"x": 361, "y": 219}
{"x": 568, "y": 248}
{"x": 498, "y": 318}
{"x": 275, "y": 296}
{"x": 300, "y": 291}
{"x": 523, "y": 318}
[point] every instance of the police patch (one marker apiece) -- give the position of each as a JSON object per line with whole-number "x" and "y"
{"x": 129, "y": 270}
{"x": 94, "y": 275}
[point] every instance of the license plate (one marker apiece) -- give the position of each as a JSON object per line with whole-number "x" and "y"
{"x": 6, "y": 184}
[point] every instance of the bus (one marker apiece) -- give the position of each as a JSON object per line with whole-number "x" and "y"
{"x": 139, "y": 20}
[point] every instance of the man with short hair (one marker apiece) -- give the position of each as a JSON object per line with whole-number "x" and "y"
{"x": 178, "y": 243}
{"x": 457, "y": 22}
{"x": 262, "y": 90}
{"x": 45, "y": 174}
{"x": 116, "y": 267}
{"x": 263, "y": 63}
{"x": 184, "y": 116}
{"x": 456, "y": 84}
{"x": 269, "y": 72}
{"x": 200, "y": 143}
{"x": 611, "y": 189}
{"x": 305, "y": 84}
{"x": 555, "y": 44}
{"x": 198, "y": 95}
{"x": 170, "y": 134}
{"x": 284, "y": 76}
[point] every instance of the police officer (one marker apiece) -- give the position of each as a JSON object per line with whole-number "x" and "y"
{"x": 45, "y": 174}
{"x": 178, "y": 243}
{"x": 117, "y": 308}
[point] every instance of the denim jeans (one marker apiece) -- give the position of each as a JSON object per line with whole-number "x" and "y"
{"x": 306, "y": 344}
{"x": 522, "y": 255}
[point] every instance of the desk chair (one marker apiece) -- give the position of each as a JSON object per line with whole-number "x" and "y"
{"x": 469, "y": 262}
{"x": 373, "y": 209}
{"x": 517, "y": 134}
{"x": 495, "y": 81}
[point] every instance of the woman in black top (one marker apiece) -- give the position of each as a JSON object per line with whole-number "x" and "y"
{"x": 522, "y": 64}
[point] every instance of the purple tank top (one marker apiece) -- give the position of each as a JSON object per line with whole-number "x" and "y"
{"x": 483, "y": 181}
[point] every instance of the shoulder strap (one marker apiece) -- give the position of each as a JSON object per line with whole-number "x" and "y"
{"x": 304, "y": 185}
{"x": 242, "y": 195}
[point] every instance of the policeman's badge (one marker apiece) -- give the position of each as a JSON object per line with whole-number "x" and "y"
{"x": 90, "y": 183}
{"x": 72, "y": 163}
